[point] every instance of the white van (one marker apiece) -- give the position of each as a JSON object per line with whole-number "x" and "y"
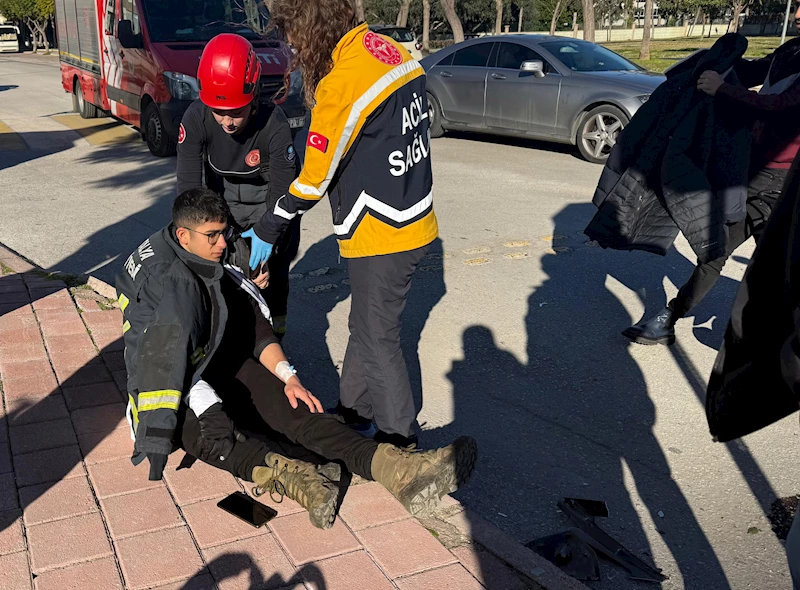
{"x": 9, "y": 39}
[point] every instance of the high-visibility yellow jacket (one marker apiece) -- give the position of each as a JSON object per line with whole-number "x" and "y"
{"x": 368, "y": 149}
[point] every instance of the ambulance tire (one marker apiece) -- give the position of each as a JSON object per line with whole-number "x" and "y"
{"x": 435, "y": 116}
{"x": 80, "y": 105}
{"x": 158, "y": 140}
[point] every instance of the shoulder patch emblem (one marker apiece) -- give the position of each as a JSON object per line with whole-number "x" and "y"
{"x": 290, "y": 153}
{"x": 181, "y": 133}
{"x": 253, "y": 159}
{"x": 382, "y": 50}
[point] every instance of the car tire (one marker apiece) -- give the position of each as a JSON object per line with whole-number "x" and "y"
{"x": 159, "y": 142}
{"x": 435, "y": 116}
{"x": 79, "y": 103}
{"x": 598, "y": 132}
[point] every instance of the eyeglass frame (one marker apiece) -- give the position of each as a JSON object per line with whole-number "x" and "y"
{"x": 226, "y": 233}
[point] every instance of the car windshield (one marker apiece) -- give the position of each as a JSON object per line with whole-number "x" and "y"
{"x": 399, "y": 35}
{"x": 588, "y": 57}
{"x": 8, "y": 34}
{"x": 201, "y": 20}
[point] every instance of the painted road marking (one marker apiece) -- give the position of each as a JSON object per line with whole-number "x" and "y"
{"x": 479, "y": 250}
{"x": 517, "y": 244}
{"x": 99, "y": 132}
{"x": 10, "y": 140}
{"x": 553, "y": 238}
{"x": 516, "y": 255}
{"x": 477, "y": 261}
{"x": 321, "y": 288}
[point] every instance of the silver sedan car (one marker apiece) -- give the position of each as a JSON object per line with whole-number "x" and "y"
{"x": 550, "y": 88}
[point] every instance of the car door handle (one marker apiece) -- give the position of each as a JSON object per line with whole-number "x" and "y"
{"x": 498, "y": 77}
{"x": 445, "y": 74}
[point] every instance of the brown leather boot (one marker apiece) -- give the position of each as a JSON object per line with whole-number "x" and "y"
{"x": 298, "y": 481}
{"x": 419, "y": 479}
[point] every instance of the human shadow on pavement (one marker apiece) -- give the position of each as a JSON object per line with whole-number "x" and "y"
{"x": 576, "y": 420}
{"x": 232, "y": 565}
{"x": 318, "y": 284}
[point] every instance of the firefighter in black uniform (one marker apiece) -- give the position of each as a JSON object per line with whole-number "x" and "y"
{"x": 244, "y": 150}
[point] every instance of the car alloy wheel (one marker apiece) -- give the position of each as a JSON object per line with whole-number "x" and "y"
{"x": 599, "y": 134}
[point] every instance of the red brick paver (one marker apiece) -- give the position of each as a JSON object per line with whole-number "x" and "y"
{"x": 120, "y": 476}
{"x": 29, "y": 411}
{"x": 8, "y": 492}
{"x": 16, "y": 573}
{"x": 95, "y": 394}
{"x": 304, "y": 543}
{"x": 200, "y": 482}
{"x": 11, "y": 539}
{"x": 142, "y": 512}
{"x": 156, "y": 559}
{"x": 65, "y": 542}
{"x": 54, "y": 501}
{"x": 453, "y": 577}
{"x": 100, "y": 574}
{"x": 213, "y": 526}
{"x": 421, "y": 549}
{"x": 50, "y": 465}
{"x": 353, "y": 570}
{"x": 98, "y": 447}
{"x": 371, "y": 505}
{"x": 42, "y": 436}
{"x": 260, "y": 560}
{"x": 99, "y": 419}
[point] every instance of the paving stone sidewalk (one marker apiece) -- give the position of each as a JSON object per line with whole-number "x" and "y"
{"x": 76, "y": 514}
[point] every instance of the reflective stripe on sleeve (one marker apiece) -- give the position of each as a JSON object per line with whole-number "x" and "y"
{"x": 366, "y": 201}
{"x": 123, "y": 301}
{"x": 168, "y": 399}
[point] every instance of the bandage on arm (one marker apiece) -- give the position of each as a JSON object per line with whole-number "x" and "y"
{"x": 201, "y": 397}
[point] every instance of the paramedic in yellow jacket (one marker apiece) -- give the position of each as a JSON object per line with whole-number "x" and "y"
{"x": 368, "y": 149}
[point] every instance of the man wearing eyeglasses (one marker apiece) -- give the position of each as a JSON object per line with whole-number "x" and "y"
{"x": 201, "y": 356}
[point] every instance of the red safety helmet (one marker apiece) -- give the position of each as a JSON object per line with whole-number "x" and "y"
{"x": 229, "y": 72}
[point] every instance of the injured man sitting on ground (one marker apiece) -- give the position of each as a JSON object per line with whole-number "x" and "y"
{"x": 204, "y": 366}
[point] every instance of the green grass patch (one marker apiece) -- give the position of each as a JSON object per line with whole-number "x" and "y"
{"x": 6, "y": 270}
{"x": 667, "y": 52}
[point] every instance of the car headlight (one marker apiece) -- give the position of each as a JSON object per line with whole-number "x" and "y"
{"x": 296, "y": 83}
{"x": 181, "y": 86}
{"x": 643, "y": 98}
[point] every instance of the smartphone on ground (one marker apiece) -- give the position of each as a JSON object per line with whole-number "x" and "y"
{"x": 249, "y": 510}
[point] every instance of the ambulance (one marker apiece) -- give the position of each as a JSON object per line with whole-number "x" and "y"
{"x": 136, "y": 60}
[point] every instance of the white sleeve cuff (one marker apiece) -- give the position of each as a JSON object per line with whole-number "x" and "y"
{"x": 201, "y": 397}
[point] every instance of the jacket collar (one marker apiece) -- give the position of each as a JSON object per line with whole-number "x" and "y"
{"x": 347, "y": 41}
{"x": 209, "y": 272}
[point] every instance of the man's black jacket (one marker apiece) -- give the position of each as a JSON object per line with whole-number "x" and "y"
{"x": 681, "y": 164}
{"x": 175, "y": 315}
{"x": 756, "y": 377}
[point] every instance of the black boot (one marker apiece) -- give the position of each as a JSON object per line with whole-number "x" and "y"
{"x": 657, "y": 330}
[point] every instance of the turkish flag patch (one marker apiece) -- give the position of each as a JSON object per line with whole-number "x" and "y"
{"x": 181, "y": 134}
{"x": 317, "y": 141}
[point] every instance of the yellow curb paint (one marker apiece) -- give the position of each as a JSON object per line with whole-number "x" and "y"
{"x": 10, "y": 140}
{"x": 517, "y": 244}
{"x": 99, "y": 132}
{"x": 477, "y": 261}
{"x": 516, "y": 255}
{"x": 479, "y": 250}
{"x": 553, "y": 238}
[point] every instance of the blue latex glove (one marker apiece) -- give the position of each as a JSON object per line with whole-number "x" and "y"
{"x": 260, "y": 250}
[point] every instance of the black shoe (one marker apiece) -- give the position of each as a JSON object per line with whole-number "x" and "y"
{"x": 657, "y": 330}
{"x": 398, "y": 440}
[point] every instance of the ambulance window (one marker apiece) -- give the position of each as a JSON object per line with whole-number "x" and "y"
{"x": 129, "y": 12}
{"x": 111, "y": 16}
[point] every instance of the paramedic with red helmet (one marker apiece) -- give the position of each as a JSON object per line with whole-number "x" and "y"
{"x": 241, "y": 147}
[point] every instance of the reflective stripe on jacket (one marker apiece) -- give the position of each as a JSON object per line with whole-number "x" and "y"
{"x": 368, "y": 149}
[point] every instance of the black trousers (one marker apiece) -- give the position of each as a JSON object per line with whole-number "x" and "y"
{"x": 375, "y": 379}
{"x": 255, "y": 401}
{"x": 762, "y": 194}
{"x": 285, "y": 251}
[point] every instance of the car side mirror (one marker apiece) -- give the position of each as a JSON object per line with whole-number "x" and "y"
{"x": 535, "y": 67}
{"x": 127, "y": 38}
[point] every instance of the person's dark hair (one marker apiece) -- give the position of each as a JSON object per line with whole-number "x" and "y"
{"x": 315, "y": 27}
{"x": 198, "y": 206}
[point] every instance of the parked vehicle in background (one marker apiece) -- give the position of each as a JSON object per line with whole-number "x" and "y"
{"x": 550, "y": 88}
{"x": 401, "y": 35}
{"x": 137, "y": 59}
{"x": 9, "y": 39}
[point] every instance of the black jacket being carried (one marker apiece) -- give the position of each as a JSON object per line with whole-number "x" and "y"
{"x": 681, "y": 164}
{"x": 756, "y": 377}
{"x": 175, "y": 312}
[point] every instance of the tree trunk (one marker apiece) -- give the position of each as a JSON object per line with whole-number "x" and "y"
{"x": 426, "y": 26}
{"x": 402, "y": 15}
{"x": 738, "y": 7}
{"x": 498, "y": 20}
{"x": 608, "y": 29}
{"x": 556, "y": 15}
{"x": 588, "y": 20}
{"x": 575, "y": 24}
{"x": 519, "y": 26}
{"x": 359, "y": 4}
{"x": 633, "y": 25}
{"x": 647, "y": 31}
{"x": 694, "y": 22}
{"x": 449, "y": 8}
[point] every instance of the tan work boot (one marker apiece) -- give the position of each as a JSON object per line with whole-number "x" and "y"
{"x": 419, "y": 479}
{"x": 301, "y": 482}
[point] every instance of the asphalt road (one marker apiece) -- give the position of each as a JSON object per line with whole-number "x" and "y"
{"x": 514, "y": 318}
